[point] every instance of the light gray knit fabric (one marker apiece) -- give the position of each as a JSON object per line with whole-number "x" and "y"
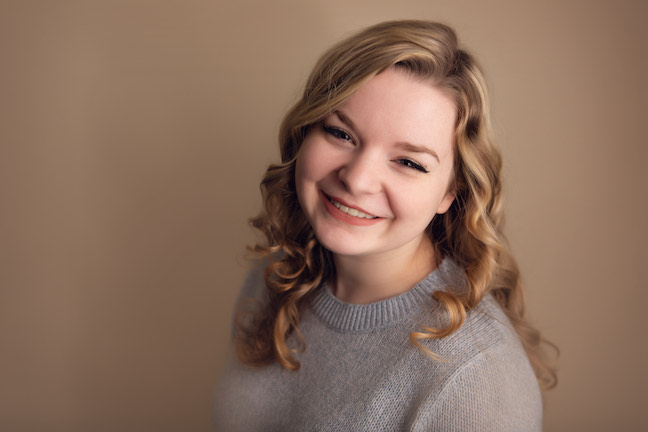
{"x": 360, "y": 372}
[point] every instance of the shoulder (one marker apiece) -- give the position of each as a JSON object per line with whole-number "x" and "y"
{"x": 486, "y": 326}
{"x": 254, "y": 283}
{"x": 486, "y": 394}
{"x": 252, "y": 295}
{"x": 487, "y": 381}
{"x": 253, "y": 286}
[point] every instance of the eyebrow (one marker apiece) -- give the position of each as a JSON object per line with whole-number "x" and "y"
{"x": 418, "y": 149}
{"x": 406, "y": 146}
{"x": 344, "y": 119}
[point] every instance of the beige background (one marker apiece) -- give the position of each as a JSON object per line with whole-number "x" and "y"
{"x": 133, "y": 136}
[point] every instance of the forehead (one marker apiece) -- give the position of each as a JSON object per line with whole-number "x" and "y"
{"x": 397, "y": 106}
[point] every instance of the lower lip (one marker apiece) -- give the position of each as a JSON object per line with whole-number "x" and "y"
{"x": 344, "y": 217}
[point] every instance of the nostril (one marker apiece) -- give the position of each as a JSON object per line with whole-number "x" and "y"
{"x": 360, "y": 177}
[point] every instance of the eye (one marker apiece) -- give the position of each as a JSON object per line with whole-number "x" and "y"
{"x": 337, "y": 133}
{"x": 411, "y": 164}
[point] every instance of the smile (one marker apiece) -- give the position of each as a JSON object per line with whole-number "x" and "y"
{"x": 350, "y": 210}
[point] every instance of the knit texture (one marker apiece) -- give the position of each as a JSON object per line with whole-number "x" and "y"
{"x": 359, "y": 371}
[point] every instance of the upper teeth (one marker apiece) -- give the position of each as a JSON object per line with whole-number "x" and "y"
{"x": 350, "y": 210}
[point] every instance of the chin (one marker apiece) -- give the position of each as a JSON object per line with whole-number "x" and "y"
{"x": 339, "y": 246}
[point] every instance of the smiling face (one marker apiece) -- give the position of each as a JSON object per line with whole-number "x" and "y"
{"x": 373, "y": 174}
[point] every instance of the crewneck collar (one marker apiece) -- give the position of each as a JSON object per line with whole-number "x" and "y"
{"x": 353, "y": 317}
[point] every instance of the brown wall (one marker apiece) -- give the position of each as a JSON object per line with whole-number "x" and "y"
{"x": 132, "y": 138}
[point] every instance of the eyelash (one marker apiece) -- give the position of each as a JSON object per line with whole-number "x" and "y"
{"x": 411, "y": 164}
{"x": 337, "y": 133}
{"x": 340, "y": 134}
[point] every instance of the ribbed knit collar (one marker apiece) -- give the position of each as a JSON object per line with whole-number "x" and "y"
{"x": 352, "y": 317}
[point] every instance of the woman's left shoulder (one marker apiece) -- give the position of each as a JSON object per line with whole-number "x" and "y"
{"x": 486, "y": 326}
{"x": 486, "y": 372}
{"x": 486, "y": 331}
{"x": 488, "y": 321}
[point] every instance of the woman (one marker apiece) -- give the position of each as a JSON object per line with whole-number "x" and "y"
{"x": 388, "y": 299}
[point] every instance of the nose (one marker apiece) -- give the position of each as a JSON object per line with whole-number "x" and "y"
{"x": 360, "y": 174}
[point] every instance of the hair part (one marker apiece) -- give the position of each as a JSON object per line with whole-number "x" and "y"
{"x": 470, "y": 232}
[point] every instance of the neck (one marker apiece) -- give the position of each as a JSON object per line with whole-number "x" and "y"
{"x": 368, "y": 279}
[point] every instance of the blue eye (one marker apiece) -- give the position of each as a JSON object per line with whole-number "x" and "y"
{"x": 411, "y": 164}
{"x": 337, "y": 133}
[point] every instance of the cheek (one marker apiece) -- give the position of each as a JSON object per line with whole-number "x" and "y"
{"x": 302, "y": 165}
{"x": 306, "y": 169}
{"x": 418, "y": 204}
{"x": 300, "y": 172}
{"x": 315, "y": 160}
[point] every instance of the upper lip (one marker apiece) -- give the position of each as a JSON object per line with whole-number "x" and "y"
{"x": 349, "y": 205}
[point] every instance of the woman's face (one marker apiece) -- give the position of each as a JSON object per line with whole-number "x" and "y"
{"x": 373, "y": 174}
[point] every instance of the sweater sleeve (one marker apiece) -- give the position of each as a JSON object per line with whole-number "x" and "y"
{"x": 495, "y": 392}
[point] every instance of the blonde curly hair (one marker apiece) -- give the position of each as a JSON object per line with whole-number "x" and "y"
{"x": 469, "y": 232}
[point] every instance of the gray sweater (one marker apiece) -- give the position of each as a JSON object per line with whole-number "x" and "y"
{"x": 360, "y": 372}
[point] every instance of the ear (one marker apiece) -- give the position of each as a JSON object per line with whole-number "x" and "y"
{"x": 447, "y": 201}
